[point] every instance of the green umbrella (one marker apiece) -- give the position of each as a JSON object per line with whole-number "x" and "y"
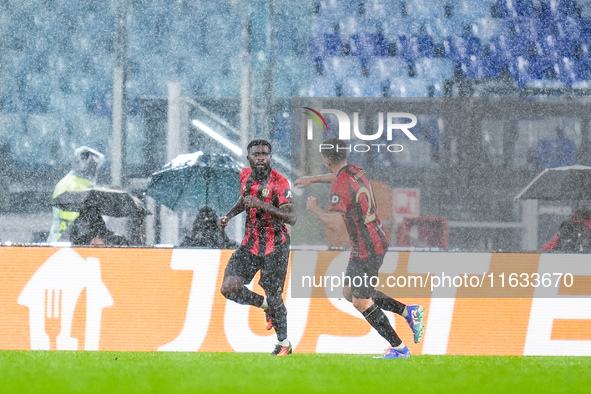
{"x": 194, "y": 180}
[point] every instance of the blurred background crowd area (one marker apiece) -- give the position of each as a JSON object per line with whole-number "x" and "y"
{"x": 57, "y": 62}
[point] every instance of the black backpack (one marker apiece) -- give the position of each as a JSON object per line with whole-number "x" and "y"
{"x": 574, "y": 237}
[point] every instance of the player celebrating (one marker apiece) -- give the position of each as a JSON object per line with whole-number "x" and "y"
{"x": 352, "y": 199}
{"x": 266, "y": 198}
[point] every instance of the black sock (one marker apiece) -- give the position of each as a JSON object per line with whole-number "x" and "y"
{"x": 279, "y": 317}
{"x": 278, "y": 313}
{"x": 388, "y": 304}
{"x": 246, "y": 297}
{"x": 379, "y": 321}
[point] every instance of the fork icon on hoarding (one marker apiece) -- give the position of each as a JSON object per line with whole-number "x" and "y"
{"x": 53, "y": 322}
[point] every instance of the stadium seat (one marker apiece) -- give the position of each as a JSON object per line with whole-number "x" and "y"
{"x": 387, "y": 68}
{"x": 376, "y": 88}
{"x": 335, "y": 9}
{"x": 484, "y": 66}
{"x": 501, "y": 10}
{"x": 343, "y": 67}
{"x": 488, "y": 28}
{"x": 434, "y": 70}
{"x": 556, "y": 153}
{"x": 582, "y": 69}
{"x": 409, "y": 87}
{"x": 324, "y": 86}
{"x": 326, "y": 42}
{"x": 567, "y": 8}
{"x": 524, "y": 8}
{"x": 354, "y": 87}
{"x": 291, "y": 71}
{"x": 527, "y": 28}
{"x": 366, "y": 45}
{"x": 567, "y": 74}
{"x": 421, "y": 44}
{"x": 459, "y": 49}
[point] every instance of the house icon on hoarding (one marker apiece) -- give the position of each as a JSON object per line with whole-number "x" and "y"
{"x": 52, "y": 294}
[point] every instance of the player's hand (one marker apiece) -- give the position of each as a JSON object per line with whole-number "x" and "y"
{"x": 312, "y": 204}
{"x": 303, "y": 182}
{"x": 252, "y": 202}
{"x": 223, "y": 222}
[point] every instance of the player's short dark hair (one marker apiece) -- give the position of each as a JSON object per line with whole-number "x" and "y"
{"x": 337, "y": 153}
{"x": 257, "y": 143}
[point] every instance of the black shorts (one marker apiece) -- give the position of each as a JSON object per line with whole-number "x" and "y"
{"x": 273, "y": 267}
{"x": 360, "y": 272}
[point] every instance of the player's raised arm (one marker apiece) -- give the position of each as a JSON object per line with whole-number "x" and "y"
{"x": 331, "y": 220}
{"x": 308, "y": 180}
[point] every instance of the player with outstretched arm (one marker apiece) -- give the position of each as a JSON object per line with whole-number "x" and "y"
{"x": 266, "y": 198}
{"x": 352, "y": 199}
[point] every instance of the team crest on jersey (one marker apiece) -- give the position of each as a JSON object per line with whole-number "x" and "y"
{"x": 334, "y": 199}
{"x": 244, "y": 188}
{"x": 265, "y": 192}
{"x": 288, "y": 194}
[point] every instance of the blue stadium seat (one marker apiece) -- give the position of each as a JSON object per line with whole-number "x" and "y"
{"x": 566, "y": 8}
{"x": 567, "y": 74}
{"x": 460, "y": 48}
{"x": 291, "y": 72}
{"x": 409, "y": 87}
{"x": 434, "y": 70}
{"x": 387, "y": 68}
{"x": 507, "y": 48}
{"x": 417, "y": 45}
{"x": 282, "y": 135}
{"x": 556, "y": 153}
{"x": 527, "y": 28}
{"x": 481, "y": 67}
{"x": 488, "y": 28}
{"x": 100, "y": 102}
{"x": 343, "y": 67}
{"x": 524, "y": 8}
{"x": 326, "y": 44}
{"x": 582, "y": 69}
{"x": 366, "y": 45}
{"x": 502, "y": 10}
{"x": 325, "y": 86}
{"x": 585, "y": 25}
{"x": 545, "y": 13}
{"x": 519, "y": 70}
{"x": 354, "y": 87}
{"x": 336, "y": 9}
{"x": 376, "y": 88}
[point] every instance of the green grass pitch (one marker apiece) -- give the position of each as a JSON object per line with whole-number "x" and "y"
{"x": 110, "y": 372}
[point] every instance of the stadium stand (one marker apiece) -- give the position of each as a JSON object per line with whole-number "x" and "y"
{"x": 58, "y": 57}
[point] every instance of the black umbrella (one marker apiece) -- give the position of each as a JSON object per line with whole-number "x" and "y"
{"x": 109, "y": 202}
{"x": 560, "y": 183}
{"x": 194, "y": 180}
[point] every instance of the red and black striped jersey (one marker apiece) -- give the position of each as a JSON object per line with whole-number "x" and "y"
{"x": 263, "y": 232}
{"x": 352, "y": 196}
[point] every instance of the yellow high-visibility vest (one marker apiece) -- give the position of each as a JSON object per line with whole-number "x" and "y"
{"x": 62, "y": 219}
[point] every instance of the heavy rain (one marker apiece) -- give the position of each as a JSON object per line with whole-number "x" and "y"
{"x": 498, "y": 93}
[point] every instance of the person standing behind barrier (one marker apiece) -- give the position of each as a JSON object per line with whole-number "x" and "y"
{"x": 87, "y": 162}
{"x": 206, "y": 233}
{"x": 574, "y": 234}
{"x": 352, "y": 199}
{"x": 266, "y": 198}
